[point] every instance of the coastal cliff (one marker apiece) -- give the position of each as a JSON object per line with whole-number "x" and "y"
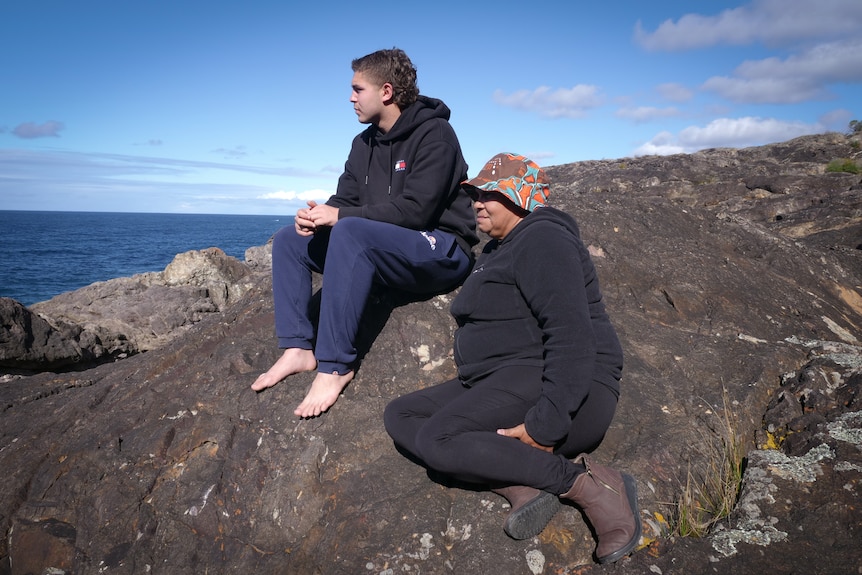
{"x": 733, "y": 277}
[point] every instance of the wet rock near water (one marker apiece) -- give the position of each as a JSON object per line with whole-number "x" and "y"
{"x": 167, "y": 461}
{"x": 123, "y": 316}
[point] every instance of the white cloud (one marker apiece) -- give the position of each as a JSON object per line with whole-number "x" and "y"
{"x": 235, "y": 153}
{"x": 539, "y": 156}
{"x": 643, "y": 114}
{"x": 674, "y": 92}
{"x": 560, "y": 103}
{"x": 726, "y": 133}
{"x": 798, "y": 78}
{"x": 316, "y": 195}
{"x": 29, "y": 130}
{"x": 837, "y": 120}
{"x": 773, "y": 22}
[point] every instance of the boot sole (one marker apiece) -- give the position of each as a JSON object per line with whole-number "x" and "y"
{"x": 531, "y": 519}
{"x": 632, "y": 494}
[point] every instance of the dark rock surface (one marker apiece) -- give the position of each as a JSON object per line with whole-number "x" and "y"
{"x": 30, "y": 342}
{"x": 166, "y": 462}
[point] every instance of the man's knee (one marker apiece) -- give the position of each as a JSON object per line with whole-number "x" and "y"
{"x": 351, "y": 230}
{"x": 284, "y": 239}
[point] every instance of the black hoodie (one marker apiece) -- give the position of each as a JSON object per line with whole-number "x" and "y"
{"x": 411, "y": 176}
{"x": 534, "y": 299}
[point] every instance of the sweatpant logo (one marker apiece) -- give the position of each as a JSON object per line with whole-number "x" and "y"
{"x": 432, "y": 241}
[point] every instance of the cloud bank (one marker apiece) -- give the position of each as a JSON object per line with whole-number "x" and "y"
{"x": 771, "y": 22}
{"x": 124, "y": 183}
{"x": 572, "y": 102}
{"x": 798, "y": 78}
{"x": 725, "y": 132}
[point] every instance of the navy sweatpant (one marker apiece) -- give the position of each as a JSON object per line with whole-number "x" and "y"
{"x": 353, "y": 255}
{"x": 452, "y": 429}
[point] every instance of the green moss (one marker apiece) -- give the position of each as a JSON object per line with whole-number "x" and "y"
{"x": 843, "y": 165}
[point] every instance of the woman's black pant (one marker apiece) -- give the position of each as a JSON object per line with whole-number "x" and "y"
{"x": 452, "y": 429}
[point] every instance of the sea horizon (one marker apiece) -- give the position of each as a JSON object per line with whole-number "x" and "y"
{"x": 44, "y": 253}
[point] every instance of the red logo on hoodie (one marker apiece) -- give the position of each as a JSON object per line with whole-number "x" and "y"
{"x": 400, "y": 166}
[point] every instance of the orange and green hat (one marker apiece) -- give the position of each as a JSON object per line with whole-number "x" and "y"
{"x": 518, "y": 178}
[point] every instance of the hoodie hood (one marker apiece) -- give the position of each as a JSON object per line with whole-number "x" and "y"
{"x": 420, "y": 111}
{"x": 544, "y": 214}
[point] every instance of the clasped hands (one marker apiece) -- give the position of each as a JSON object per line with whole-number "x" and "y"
{"x": 308, "y": 220}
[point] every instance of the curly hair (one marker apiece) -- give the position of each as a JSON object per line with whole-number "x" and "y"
{"x": 392, "y": 66}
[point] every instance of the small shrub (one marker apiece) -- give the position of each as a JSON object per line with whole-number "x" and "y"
{"x": 843, "y": 165}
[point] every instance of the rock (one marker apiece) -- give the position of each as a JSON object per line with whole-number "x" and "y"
{"x": 219, "y": 274}
{"x": 124, "y": 316}
{"x": 168, "y": 462}
{"x": 259, "y": 257}
{"x": 798, "y": 508}
{"x": 29, "y": 342}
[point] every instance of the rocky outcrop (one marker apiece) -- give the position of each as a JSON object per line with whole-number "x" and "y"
{"x": 168, "y": 462}
{"x": 28, "y": 341}
{"x": 124, "y": 316}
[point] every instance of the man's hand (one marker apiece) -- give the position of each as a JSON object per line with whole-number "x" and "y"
{"x": 520, "y": 433}
{"x": 302, "y": 222}
{"x": 322, "y": 215}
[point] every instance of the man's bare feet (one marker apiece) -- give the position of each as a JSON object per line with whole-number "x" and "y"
{"x": 293, "y": 360}
{"x": 324, "y": 392}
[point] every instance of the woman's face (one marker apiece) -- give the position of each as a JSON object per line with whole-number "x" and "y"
{"x": 494, "y": 216}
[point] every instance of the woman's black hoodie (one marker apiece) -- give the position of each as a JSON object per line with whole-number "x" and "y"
{"x": 534, "y": 299}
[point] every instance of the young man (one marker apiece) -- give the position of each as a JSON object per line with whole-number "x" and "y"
{"x": 398, "y": 218}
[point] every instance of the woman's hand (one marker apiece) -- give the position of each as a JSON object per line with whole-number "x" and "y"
{"x": 520, "y": 433}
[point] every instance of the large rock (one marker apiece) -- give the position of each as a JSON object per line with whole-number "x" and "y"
{"x": 29, "y": 342}
{"x": 167, "y": 462}
{"x": 123, "y": 316}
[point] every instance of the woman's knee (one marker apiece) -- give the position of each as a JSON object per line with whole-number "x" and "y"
{"x": 393, "y": 416}
{"x": 434, "y": 448}
{"x": 591, "y": 422}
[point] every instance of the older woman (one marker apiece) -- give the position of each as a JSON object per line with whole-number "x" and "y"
{"x": 539, "y": 365}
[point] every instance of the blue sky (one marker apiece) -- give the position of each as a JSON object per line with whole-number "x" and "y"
{"x": 243, "y": 107}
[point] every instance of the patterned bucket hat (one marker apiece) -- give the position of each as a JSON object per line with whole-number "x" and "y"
{"x": 521, "y": 180}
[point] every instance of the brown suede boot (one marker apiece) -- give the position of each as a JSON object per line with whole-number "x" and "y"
{"x": 531, "y": 510}
{"x": 610, "y": 501}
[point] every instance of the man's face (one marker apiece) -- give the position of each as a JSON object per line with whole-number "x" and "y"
{"x": 367, "y": 99}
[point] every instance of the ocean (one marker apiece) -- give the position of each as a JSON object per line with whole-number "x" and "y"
{"x": 43, "y": 254}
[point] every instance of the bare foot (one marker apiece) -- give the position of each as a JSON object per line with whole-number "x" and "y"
{"x": 324, "y": 392}
{"x": 293, "y": 360}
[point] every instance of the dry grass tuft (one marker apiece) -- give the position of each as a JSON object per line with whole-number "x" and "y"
{"x": 712, "y": 486}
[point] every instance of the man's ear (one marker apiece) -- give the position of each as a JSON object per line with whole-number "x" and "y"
{"x": 387, "y": 92}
